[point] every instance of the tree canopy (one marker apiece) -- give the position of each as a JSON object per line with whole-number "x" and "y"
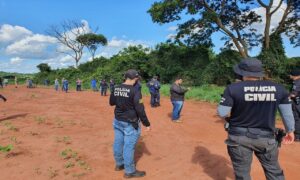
{"x": 234, "y": 18}
{"x": 44, "y": 67}
{"x": 92, "y": 42}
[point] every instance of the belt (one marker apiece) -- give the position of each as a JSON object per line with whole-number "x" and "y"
{"x": 253, "y": 133}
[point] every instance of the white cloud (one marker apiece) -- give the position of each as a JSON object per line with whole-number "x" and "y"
{"x": 171, "y": 36}
{"x": 276, "y": 17}
{"x": 35, "y": 46}
{"x": 16, "y": 61}
{"x": 9, "y": 34}
{"x": 172, "y": 28}
{"x": 115, "y": 45}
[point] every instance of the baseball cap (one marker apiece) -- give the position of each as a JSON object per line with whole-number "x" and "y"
{"x": 295, "y": 72}
{"x": 249, "y": 67}
{"x": 131, "y": 74}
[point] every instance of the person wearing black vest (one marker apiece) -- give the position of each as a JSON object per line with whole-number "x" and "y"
{"x": 129, "y": 111}
{"x": 252, "y": 105}
{"x": 295, "y": 96}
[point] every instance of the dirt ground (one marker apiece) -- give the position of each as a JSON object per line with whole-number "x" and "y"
{"x": 70, "y": 136}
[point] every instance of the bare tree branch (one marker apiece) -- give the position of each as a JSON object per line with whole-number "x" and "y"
{"x": 66, "y": 35}
{"x": 262, "y": 4}
{"x": 279, "y": 5}
{"x": 227, "y": 31}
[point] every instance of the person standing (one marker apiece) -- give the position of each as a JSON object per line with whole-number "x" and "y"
{"x": 129, "y": 109}
{"x": 177, "y": 98}
{"x": 62, "y": 84}
{"x": 154, "y": 87}
{"x": 252, "y": 105}
{"x": 103, "y": 87}
{"x": 295, "y": 96}
{"x": 112, "y": 85}
{"x": 16, "y": 82}
{"x": 1, "y": 82}
{"x": 66, "y": 85}
{"x": 78, "y": 84}
{"x": 94, "y": 84}
{"x": 56, "y": 84}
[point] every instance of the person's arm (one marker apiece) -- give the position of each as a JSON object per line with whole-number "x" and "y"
{"x": 285, "y": 109}
{"x": 287, "y": 117}
{"x": 177, "y": 89}
{"x": 226, "y": 104}
{"x": 112, "y": 99}
{"x": 140, "y": 109}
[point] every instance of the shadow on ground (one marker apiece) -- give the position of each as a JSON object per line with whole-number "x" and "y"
{"x": 140, "y": 150}
{"x": 215, "y": 166}
{"x": 13, "y": 117}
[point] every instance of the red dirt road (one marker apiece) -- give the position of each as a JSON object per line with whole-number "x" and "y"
{"x": 41, "y": 124}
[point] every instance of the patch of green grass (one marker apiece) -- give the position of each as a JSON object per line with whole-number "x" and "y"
{"x": 73, "y": 158}
{"x": 15, "y": 140}
{"x": 40, "y": 120}
{"x": 52, "y": 172}
{"x": 208, "y": 93}
{"x": 10, "y": 126}
{"x": 7, "y": 148}
{"x": 69, "y": 164}
{"x": 68, "y": 154}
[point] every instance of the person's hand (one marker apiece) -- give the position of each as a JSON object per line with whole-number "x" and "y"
{"x": 148, "y": 128}
{"x": 289, "y": 138}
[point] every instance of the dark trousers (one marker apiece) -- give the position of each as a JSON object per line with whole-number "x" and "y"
{"x": 155, "y": 97}
{"x": 296, "y": 112}
{"x": 103, "y": 91}
{"x": 241, "y": 149}
{"x": 78, "y": 87}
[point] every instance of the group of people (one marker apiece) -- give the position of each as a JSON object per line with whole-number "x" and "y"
{"x": 248, "y": 106}
{"x": 29, "y": 83}
{"x": 64, "y": 85}
{"x": 4, "y": 82}
{"x": 103, "y": 86}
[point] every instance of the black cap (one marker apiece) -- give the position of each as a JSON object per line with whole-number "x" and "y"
{"x": 131, "y": 74}
{"x": 249, "y": 67}
{"x": 295, "y": 72}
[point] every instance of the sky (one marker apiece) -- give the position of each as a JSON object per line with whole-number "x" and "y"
{"x": 24, "y": 42}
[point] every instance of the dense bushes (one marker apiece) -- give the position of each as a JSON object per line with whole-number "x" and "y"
{"x": 197, "y": 65}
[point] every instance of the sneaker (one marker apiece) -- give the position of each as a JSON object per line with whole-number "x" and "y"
{"x": 119, "y": 168}
{"x": 136, "y": 174}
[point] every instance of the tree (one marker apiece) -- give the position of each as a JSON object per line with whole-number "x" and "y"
{"x": 92, "y": 42}
{"x": 66, "y": 34}
{"x": 44, "y": 67}
{"x": 233, "y": 18}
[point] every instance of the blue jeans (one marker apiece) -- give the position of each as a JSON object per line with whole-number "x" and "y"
{"x": 177, "y": 107}
{"x": 126, "y": 138}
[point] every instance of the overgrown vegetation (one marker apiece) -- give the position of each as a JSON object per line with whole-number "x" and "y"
{"x": 200, "y": 68}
